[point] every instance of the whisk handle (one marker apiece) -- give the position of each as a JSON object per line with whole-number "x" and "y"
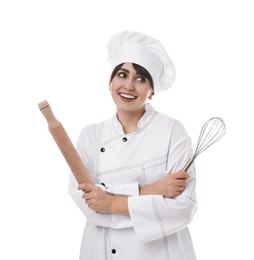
{"x": 188, "y": 164}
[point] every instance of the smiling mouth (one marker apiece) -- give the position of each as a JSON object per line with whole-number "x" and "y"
{"x": 127, "y": 97}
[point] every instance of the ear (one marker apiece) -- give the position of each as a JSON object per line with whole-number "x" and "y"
{"x": 151, "y": 96}
{"x": 110, "y": 86}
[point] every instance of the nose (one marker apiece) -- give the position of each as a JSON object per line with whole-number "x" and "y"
{"x": 129, "y": 85}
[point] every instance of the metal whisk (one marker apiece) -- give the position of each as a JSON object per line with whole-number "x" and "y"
{"x": 212, "y": 131}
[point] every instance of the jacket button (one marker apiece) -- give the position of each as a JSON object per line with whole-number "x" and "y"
{"x": 124, "y": 139}
{"x": 102, "y": 149}
{"x": 113, "y": 251}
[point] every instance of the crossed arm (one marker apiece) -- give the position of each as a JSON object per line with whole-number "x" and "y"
{"x": 100, "y": 201}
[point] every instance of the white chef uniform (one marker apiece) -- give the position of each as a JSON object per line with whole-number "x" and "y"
{"x": 157, "y": 227}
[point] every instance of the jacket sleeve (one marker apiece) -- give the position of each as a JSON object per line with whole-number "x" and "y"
{"x": 104, "y": 220}
{"x": 154, "y": 216}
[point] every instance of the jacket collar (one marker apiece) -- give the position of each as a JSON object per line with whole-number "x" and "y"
{"x": 143, "y": 122}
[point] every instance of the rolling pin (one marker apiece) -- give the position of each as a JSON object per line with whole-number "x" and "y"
{"x": 65, "y": 145}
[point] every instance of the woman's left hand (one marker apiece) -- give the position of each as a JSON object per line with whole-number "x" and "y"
{"x": 96, "y": 199}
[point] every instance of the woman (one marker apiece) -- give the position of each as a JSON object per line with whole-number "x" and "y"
{"x": 143, "y": 202}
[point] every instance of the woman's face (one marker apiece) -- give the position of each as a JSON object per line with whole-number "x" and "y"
{"x": 130, "y": 90}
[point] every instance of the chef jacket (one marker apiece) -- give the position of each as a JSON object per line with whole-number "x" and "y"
{"x": 157, "y": 227}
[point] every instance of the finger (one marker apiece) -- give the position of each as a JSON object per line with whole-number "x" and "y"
{"x": 180, "y": 183}
{"x": 182, "y": 175}
{"x": 90, "y": 203}
{"x": 180, "y": 189}
{"x": 179, "y": 193}
{"x": 173, "y": 195}
{"x": 81, "y": 186}
{"x": 87, "y": 196}
{"x": 86, "y": 187}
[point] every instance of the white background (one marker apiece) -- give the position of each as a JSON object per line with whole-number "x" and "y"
{"x": 56, "y": 50}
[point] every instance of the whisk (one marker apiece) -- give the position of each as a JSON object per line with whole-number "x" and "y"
{"x": 212, "y": 131}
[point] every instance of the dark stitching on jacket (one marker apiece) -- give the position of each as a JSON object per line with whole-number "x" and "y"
{"x": 161, "y": 226}
{"x": 143, "y": 176}
{"x": 193, "y": 189}
{"x": 134, "y": 165}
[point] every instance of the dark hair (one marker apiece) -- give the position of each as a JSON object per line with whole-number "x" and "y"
{"x": 139, "y": 69}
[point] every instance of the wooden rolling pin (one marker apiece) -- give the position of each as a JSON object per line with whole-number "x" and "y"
{"x": 65, "y": 145}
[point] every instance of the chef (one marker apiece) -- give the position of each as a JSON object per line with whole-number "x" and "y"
{"x": 142, "y": 202}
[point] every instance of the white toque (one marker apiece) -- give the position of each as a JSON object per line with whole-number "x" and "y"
{"x": 148, "y": 52}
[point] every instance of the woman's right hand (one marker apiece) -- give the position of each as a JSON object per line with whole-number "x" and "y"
{"x": 170, "y": 186}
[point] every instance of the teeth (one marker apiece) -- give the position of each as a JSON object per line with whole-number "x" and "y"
{"x": 127, "y": 96}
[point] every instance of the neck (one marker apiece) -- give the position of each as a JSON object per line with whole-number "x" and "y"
{"x": 129, "y": 119}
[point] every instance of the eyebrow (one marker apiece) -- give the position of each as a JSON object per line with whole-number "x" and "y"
{"x": 125, "y": 70}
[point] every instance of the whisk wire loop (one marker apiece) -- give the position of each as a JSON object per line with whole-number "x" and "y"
{"x": 212, "y": 131}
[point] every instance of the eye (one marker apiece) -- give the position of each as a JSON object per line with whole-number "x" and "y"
{"x": 141, "y": 79}
{"x": 122, "y": 74}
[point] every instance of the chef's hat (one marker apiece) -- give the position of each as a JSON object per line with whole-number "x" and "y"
{"x": 148, "y": 52}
